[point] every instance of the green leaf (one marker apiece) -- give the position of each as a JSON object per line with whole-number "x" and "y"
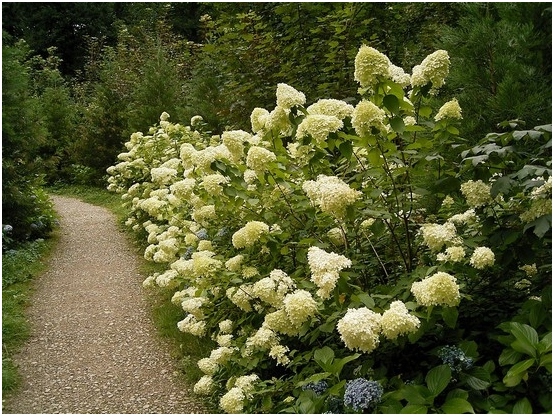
{"x": 339, "y": 364}
{"x": 438, "y": 378}
{"x": 523, "y": 406}
{"x": 306, "y": 405}
{"x": 477, "y": 383}
{"x": 314, "y": 378}
{"x": 509, "y": 356}
{"x": 546, "y": 361}
{"x": 416, "y": 394}
{"x": 397, "y": 124}
{"x": 498, "y": 401}
{"x": 345, "y": 149}
{"x": 450, "y": 316}
{"x": 541, "y": 225}
{"x": 457, "y": 405}
{"x": 425, "y": 111}
{"x": 502, "y": 186}
{"x": 324, "y": 355}
{"x": 520, "y": 367}
{"x": 414, "y": 409}
{"x": 526, "y": 336}
{"x": 457, "y": 394}
{"x": 366, "y": 300}
{"x": 391, "y": 103}
{"x": 537, "y": 315}
{"x": 453, "y": 130}
{"x": 545, "y": 345}
{"x": 512, "y": 381}
{"x": 374, "y": 157}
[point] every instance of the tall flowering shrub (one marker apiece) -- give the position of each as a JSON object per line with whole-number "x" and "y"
{"x": 332, "y": 251}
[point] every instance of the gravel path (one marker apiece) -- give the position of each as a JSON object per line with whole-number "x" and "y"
{"x": 93, "y": 346}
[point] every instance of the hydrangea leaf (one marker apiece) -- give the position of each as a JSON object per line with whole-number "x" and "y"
{"x": 457, "y": 405}
{"x": 414, "y": 409}
{"x": 438, "y": 378}
{"x": 523, "y": 406}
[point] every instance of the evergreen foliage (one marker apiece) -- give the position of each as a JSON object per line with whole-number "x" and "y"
{"x": 26, "y": 211}
{"x": 501, "y": 54}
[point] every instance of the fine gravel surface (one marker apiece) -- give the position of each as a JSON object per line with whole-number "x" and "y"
{"x": 93, "y": 346}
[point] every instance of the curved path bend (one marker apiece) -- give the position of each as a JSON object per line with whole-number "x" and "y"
{"x": 93, "y": 347}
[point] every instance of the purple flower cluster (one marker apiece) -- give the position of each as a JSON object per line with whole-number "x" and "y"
{"x": 455, "y": 358}
{"x": 360, "y": 393}
{"x": 318, "y": 387}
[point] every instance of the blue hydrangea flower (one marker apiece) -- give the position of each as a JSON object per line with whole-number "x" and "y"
{"x": 360, "y": 393}
{"x": 334, "y": 404}
{"x": 318, "y": 387}
{"x": 188, "y": 253}
{"x": 202, "y": 234}
{"x": 455, "y": 358}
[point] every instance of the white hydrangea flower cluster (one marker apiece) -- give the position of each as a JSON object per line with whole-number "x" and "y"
{"x": 201, "y": 264}
{"x": 278, "y": 121}
{"x": 370, "y": 65}
{"x": 167, "y": 279}
{"x": 263, "y": 339}
{"x": 288, "y": 97}
{"x": 208, "y": 366}
{"x": 543, "y": 191}
{"x": 325, "y": 268}
{"x": 433, "y": 69}
{"x": 192, "y": 326}
{"x": 258, "y": 158}
{"x": 482, "y": 258}
{"x": 234, "y": 140}
{"x": 204, "y": 386}
{"x": 318, "y": 126}
{"x": 331, "y": 107}
{"x": 477, "y": 193}
{"x": 266, "y": 339}
{"x": 454, "y": 254}
{"x": 436, "y": 236}
{"x": 233, "y": 401}
{"x": 226, "y": 326}
{"x": 163, "y": 175}
{"x": 331, "y": 194}
{"x": 248, "y": 235}
{"x": 234, "y": 264}
{"x": 299, "y": 306}
{"x": 399, "y": 76}
{"x": 451, "y": 110}
{"x": 367, "y": 116}
{"x": 193, "y": 305}
{"x": 213, "y": 183}
{"x": 529, "y": 269}
{"x": 440, "y": 289}
{"x": 258, "y": 119}
{"x": 241, "y": 297}
{"x": 541, "y": 202}
{"x": 279, "y": 354}
{"x": 397, "y": 320}
{"x": 273, "y": 288}
{"x": 336, "y": 236}
{"x": 204, "y": 214}
{"x": 359, "y": 329}
{"x": 467, "y": 217}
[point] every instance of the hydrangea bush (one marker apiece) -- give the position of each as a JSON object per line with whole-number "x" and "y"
{"x": 340, "y": 261}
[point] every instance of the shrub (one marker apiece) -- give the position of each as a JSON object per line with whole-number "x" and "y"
{"x": 338, "y": 259}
